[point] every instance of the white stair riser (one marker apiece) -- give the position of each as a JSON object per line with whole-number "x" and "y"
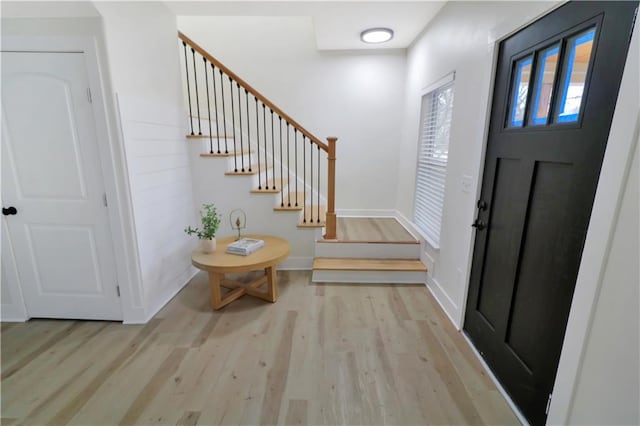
{"x": 368, "y": 250}
{"x": 369, "y": 277}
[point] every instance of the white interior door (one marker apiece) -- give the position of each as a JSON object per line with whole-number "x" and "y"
{"x": 51, "y": 174}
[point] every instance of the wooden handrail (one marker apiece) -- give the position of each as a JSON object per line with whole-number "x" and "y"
{"x": 195, "y": 46}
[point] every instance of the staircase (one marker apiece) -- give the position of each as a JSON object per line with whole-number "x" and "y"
{"x": 259, "y": 141}
{"x": 369, "y": 250}
{"x": 283, "y": 162}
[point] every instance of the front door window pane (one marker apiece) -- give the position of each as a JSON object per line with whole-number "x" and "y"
{"x": 579, "y": 50}
{"x": 520, "y": 91}
{"x": 545, "y": 77}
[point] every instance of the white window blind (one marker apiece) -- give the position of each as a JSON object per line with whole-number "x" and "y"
{"x": 435, "y": 125}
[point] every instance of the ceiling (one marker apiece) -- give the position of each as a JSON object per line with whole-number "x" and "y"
{"x": 337, "y": 24}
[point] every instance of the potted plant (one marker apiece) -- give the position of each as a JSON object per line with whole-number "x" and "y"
{"x": 210, "y": 223}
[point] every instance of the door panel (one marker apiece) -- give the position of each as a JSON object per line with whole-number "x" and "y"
{"x": 556, "y": 87}
{"x": 51, "y": 173}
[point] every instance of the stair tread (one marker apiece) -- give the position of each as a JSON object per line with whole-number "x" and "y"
{"x": 292, "y": 207}
{"x": 353, "y": 264}
{"x": 254, "y": 170}
{"x": 267, "y": 188}
{"x": 223, "y": 154}
{"x": 207, "y": 137}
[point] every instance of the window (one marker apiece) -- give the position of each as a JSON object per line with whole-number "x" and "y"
{"x": 580, "y": 48}
{"x": 564, "y": 66}
{"x": 520, "y": 91}
{"x": 435, "y": 125}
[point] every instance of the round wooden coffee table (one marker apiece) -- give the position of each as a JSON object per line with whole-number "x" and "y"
{"x": 275, "y": 250}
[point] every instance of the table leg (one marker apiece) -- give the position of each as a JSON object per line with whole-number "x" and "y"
{"x": 272, "y": 284}
{"x": 217, "y": 301}
{"x": 215, "y": 279}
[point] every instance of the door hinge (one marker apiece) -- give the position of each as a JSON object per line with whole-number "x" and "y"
{"x": 633, "y": 24}
{"x": 104, "y": 199}
{"x": 546, "y": 410}
{"x": 89, "y": 98}
{"x": 118, "y": 290}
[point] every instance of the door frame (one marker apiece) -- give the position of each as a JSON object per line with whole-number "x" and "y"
{"x": 113, "y": 166}
{"x": 623, "y": 137}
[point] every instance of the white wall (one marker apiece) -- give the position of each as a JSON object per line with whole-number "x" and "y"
{"x": 160, "y": 178}
{"x": 141, "y": 45}
{"x": 141, "y": 39}
{"x": 608, "y": 385}
{"x": 458, "y": 39}
{"x": 356, "y": 96}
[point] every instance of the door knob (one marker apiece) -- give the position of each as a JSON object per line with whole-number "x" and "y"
{"x": 9, "y": 211}
{"x": 479, "y": 225}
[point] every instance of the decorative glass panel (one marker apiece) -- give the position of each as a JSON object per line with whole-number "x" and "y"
{"x": 520, "y": 91}
{"x": 545, "y": 77}
{"x": 579, "y": 50}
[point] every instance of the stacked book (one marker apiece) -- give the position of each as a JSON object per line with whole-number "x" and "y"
{"x": 244, "y": 246}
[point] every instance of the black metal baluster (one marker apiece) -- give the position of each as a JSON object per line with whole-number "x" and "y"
{"x": 186, "y": 67}
{"x": 195, "y": 79}
{"x": 281, "y": 171}
{"x": 215, "y": 104}
{"x": 318, "y": 217}
{"x": 246, "y": 101}
{"x": 288, "y": 170}
{"x": 304, "y": 177}
{"x": 266, "y": 161}
{"x": 295, "y": 146}
{"x": 206, "y": 82}
{"x": 233, "y": 126}
{"x": 240, "y": 126}
{"x": 258, "y": 142}
{"x": 311, "y": 179}
{"x": 273, "y": 152}
{"x": 224, "y": 115}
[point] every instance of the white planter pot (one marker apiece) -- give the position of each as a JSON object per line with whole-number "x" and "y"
{"x": 208, "y": 246}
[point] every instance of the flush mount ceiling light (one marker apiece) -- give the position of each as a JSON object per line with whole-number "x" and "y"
{"x": 376, "y": 35}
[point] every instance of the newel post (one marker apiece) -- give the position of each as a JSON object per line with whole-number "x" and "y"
{"x": 331, "y": 190}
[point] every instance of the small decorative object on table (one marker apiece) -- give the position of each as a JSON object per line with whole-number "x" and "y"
{"x": 210, "y": 224}
{"x": 238, "y": 220}
{"x": 245, "y": 246}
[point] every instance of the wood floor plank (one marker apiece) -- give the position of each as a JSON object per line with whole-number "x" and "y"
{"x": 190, "y": 418}
{"x": 45, "y": 346}
{"x": 322, "y": 355}
{"x": 296, "y": 412}
{"x": 277, "y": 375}
{"x": 166, "y": 370}
{"x": 70, "y": 410}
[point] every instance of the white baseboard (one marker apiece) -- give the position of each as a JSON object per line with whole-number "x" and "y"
{"x": 365, "y": 213}
{"x": 495, "y": 380}
{"x": 135, "y": 315}
{"x": 408, "y": 225}
{"x": 160, "y": 302}
{"x": 443, "y": 300}
{"x": 9, "y": 313}
{"x": 296, "y": 263}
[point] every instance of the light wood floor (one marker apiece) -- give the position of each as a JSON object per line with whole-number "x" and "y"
{"x": 321, "y": 355}
{"x": 372, "y": 229}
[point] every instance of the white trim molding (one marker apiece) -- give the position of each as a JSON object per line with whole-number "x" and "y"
{"x": 111, "y": 159}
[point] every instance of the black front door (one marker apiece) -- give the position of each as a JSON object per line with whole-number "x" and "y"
{"x": 556, "y": 87}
